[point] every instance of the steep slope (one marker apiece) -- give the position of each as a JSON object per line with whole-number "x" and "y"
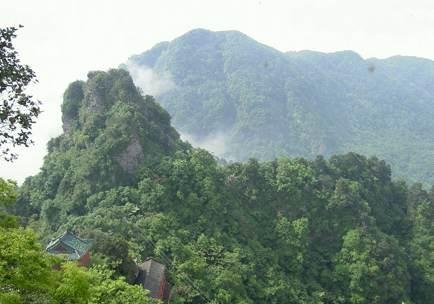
{"x": 110, "y": 134}
{"x": 254, "y": 101}
{"x": 283, "y": 231}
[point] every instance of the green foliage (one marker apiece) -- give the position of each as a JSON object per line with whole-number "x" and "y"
{"x": 287, "y": 231}
{"x": 112, "y": 135}
{"x": 71, "y": 103}
{"x": 17, "y": 109}
{"x": 283, "y": 231}
{"x": 25, "y": 272}
{"x": 74, "y": 286}
{"x": 371, "y": 268}
{"x": 294, "y": 238}
{"x": 27, "y": 276}
{"x": 259, "y": 102}
{"x": 8, "y": 196}
{"x": 96, "y": 286}
{"x": 422, "y": 244}
{"x": 106, "y": 290}
{"x": 112, "y": 252}
{"x": 7, "y": 192}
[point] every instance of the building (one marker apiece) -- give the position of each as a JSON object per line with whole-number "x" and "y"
{"x": 71, "y": 247}
{"x": 152, "y": 276}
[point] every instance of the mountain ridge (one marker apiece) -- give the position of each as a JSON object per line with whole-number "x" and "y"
{"x": 269, "y": 103}
{"x": 280, "y": 231}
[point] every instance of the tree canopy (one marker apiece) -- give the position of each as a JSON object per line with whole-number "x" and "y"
{"x": 244, "y": 99}
{"x": 27, "y": 274}
{"x": 290, "y": 230}
{"x": 18, "y": 109}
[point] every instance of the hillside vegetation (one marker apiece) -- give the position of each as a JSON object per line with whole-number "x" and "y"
{"x": 250, "y": 100}
{"x": 282, "y": 231}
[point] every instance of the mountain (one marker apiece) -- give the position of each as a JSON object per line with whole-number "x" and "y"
{"x": 111, "y": 133}
{"x": 335, "y": 230}
{"x": 242, "y": 99}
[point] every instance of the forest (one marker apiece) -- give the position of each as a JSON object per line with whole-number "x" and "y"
{"x": 242, "y": 99}
{"x": 289, "y": 230}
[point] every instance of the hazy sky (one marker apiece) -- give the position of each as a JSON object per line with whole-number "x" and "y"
{"x": 63, "y": 40}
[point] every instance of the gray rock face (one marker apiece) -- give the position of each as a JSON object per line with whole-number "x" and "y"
{"x": 131, "y": 157}
{"x": 67, "y": 124}
{"x": 72, "y": 101}
{"x": 95, "y": 101}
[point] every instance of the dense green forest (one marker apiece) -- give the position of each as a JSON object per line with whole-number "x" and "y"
{"x": 250, "y": 100}
{"x": 27, "y": 274}
{"x": 289, "y": 230}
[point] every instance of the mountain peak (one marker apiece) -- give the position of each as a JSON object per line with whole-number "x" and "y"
{"x": 260, "y": 102}
{"x": 107, "y": 113}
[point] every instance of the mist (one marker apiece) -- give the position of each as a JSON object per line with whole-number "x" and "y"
{"x": 149, "y": 81}
{"x": 155, "y": 84}
{"x": 215, "y": 143}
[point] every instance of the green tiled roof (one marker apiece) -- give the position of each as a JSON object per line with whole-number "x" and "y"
{"x": 69, "y": 244}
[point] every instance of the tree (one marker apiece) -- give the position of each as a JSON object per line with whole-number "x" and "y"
{"x": 371, "y": 268}
{"x": 105, "y": 289}
{"x": 26, "y": 275}
{"x": 422, "y": 252}
{"x": 7, "y": 197}
{"x": 17, "y": 109}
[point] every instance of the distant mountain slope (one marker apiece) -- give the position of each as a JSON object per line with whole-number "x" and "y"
{"x": 250, "y": 100}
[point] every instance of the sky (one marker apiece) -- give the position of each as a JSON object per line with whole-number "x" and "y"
{"x": 63, "y": 40}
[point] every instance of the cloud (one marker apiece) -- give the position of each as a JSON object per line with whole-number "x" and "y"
{"x": 155, "y": 84}
{"x": 215, "y": 143}
{"x": 151, "y": 82}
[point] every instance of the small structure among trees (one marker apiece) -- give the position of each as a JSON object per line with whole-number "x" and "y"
{"x": 152, "y": 276}
{"x": 72, "y": 247}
